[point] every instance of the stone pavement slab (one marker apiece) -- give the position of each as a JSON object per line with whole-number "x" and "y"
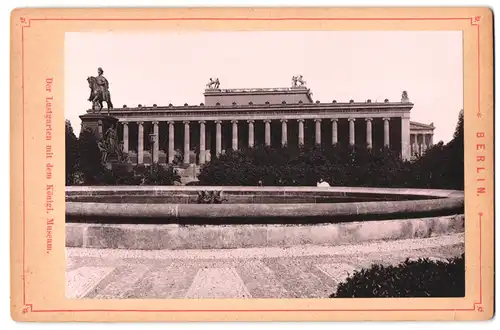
{"x": 296, "y": 272}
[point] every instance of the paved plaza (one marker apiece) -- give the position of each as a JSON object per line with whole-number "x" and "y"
{"x": 297, "y": 272}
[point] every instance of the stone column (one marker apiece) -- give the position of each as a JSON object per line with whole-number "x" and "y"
{"x": 202, "y": 142}
{"x": 218, "y": 137}
{"x": 125, "y": 137}
{"x": 140, "y": 143}
{"x": 419, "y": 144}
{"x": 405, "y": 138}
{"x": 334, "y": 131}
{"x": 267, "y": 123}
{"x": 156, "y": 145}
{"x": 284, "y": 132}
{"x": 187, "y": 147}
{"x": 301, "y": 131}
{"x": 352, "y": 138}
{"x": 386, "y": 132}
{"x": 318, "y": 130}
{"x": 369, "y": 137}
{"x": 424, "y": 144}
{"x": 412, "y": 138}
{"x": 171, "y": 150}
{"x": 235, "y": 134}
{"x": 251, "y": 140}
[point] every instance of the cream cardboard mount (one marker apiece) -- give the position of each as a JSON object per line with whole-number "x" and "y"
{"x": 161, "y": 233}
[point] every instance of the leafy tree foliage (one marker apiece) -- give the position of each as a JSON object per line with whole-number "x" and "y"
{"x": 141, "y": 175}
{"x": 442, "y": 166}
{"x": 160, "y": 175}
{"x": 288, "y": 166}
{"x": 89, "y": 158}
{"x": 72, "y": 154}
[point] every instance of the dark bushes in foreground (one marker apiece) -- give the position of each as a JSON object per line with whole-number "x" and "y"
{"x": 421, "y": 278}
{"x": 141, "y": 175}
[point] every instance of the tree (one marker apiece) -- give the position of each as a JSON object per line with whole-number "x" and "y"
{"x": 456, "y": 155}
{"x": 72, "y": 155}
{"x": 160, "y": 175}
{"x": 90, "y": 158}
{"x": 442, "y": 166}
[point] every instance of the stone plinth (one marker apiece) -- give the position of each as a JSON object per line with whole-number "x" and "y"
{"x": 147, "y": 157}
{"x": 122, "y": 168}
{"x": 98, "y": 123}
{"x": 132, "y": 156}
{"x": 162, "y": 157}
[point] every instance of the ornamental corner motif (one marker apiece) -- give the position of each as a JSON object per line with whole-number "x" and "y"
{"x": 25, "y": 21}
{"x": 27, "y": 308}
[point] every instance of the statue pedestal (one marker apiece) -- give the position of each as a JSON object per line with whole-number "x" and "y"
{"x": 122, "y": 168}
{"x": 98, "y": 123}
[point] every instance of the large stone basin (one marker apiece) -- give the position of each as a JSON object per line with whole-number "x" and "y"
{"x": 168, "y": 217}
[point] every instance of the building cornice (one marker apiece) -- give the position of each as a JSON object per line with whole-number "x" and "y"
{"x": 416, "y": 126}
{"x": 269, "y": 113}
{"x": 389, "y": 106}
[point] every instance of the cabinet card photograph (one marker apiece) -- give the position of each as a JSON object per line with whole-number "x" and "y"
{"x": 252, "y": 164}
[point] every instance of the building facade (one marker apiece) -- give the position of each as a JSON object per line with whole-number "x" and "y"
{"x": 239, "y": 118}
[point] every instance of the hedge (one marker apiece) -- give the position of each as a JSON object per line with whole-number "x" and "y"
{"x": 421, "y": 278}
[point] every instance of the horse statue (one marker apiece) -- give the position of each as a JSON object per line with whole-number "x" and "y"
{"x": 213, "y": 84}
{"x": 99, "y": 93}
{"x": 301, "y": 80}
{"x": 298, "y": 81}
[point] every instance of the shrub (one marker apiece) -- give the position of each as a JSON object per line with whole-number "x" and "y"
{"x": 141, "y": 175}
{"x": 421, "y": 278}
{"x": 160, "y": 175}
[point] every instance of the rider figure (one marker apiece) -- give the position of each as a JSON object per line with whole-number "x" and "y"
{"x": 102, "y": 82}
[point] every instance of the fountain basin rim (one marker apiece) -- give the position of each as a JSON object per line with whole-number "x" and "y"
{"x": 158, "y": 190}
{"x": 453, "y": 205}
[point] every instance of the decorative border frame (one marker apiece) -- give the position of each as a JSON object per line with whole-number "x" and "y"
{"x": 28, "y": 307}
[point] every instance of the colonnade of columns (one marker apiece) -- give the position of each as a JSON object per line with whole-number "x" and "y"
{"x": 420, "y": 142}
{"x": 251, "y": 135}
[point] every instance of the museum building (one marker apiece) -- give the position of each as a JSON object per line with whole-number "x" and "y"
{"x": 239, "y": 118}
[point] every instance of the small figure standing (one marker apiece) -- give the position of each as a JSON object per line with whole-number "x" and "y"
{"x": 104, "y": 151}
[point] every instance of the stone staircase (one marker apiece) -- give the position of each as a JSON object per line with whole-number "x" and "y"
{"x": 189, "y": 174}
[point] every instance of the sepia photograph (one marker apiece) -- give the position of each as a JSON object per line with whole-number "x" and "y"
{"x": 264, "y": 164}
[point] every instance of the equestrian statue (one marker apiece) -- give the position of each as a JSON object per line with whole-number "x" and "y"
{"x": 99, "y": 92}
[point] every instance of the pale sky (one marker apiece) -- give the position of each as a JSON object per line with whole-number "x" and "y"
{"x": 162, "y": 68}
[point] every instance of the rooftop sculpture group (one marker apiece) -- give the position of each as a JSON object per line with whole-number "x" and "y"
{"x": 99, "y": 92}
{"x": 213, "y": 83}
{"x": 298, "y": 81}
